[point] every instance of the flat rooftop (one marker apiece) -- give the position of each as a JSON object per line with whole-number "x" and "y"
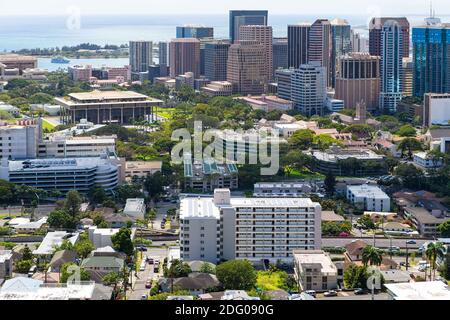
{"x": 315, "y": 257}
{"x": 198, "y": 208}
{"x": 57, "y": 164}
{"x": 106, "y": 95}
{"x": 431, "y": 290}
{"x": 143, "y": 165}
{"x": 53, "y": 239}
{"x": 366, "y": 190}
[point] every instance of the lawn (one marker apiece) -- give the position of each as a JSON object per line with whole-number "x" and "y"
{"x": 165, "y": 112}
{"x": 267, "y": 280}
{"x": 46, "y": 125}
{"x": 305, "y": 174}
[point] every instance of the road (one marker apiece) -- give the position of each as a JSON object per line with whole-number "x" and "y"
{"x": 379, "y": 242}
{"x": 139, "y": 283}
{"x": 351, "y": 296}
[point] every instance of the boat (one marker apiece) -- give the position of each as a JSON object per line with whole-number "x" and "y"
{"x": 60, "y": 59}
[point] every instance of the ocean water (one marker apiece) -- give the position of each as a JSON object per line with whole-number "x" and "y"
{"x": 19, "y": 32}
{"x": 55, "y": 31}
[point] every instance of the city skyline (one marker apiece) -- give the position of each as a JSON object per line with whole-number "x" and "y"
{"x": 178, "y": 7}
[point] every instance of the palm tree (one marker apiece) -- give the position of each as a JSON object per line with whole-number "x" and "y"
{"x": 372, "y": 256}
{"x": 434, "y": 251}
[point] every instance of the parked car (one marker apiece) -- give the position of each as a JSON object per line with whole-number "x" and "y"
{"x": 141, "y": 248}
{"x": 150, "y": 260}
{"x": 148, "y": 284}
{"x": 359, "y": 291}
{"x": 330, "y": 293}
{"x": 32, "y": 271}
{"x": 144, "y": 297}
{"x": 311, "y": 293}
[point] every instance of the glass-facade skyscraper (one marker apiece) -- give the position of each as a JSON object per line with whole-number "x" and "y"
{"x": 431, "y": 58}
{"x": 195, "y": 31}
{"x": 340, "y": 44}
{"x": 244, "y": 18}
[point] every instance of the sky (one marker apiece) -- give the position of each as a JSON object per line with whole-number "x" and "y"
{"x": 148, "y": 7}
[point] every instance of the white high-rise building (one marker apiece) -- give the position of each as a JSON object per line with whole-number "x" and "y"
{"x": 391, "y": 65}
{"x": 141, "y": 56}
{"x": 19, "y": 141}
{"x": 309, "y": 88}
{"x": 225, "y": 227}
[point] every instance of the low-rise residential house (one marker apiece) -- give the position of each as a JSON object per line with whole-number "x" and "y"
{"x": 353, "y": 252}
{"x": 195, "y": 283}
{"x": 101, "y": 237}
{"x": 314, "y": 270}
{"x": 331, "y": 216}
{"x": 369, "y": 198}
{"x": 51, "y": 241}
{"x": 22, "y": 288}
{"x": 397, "y": 228}
{"x": 395, "y": 276}
{"x": 107, "y": 252}
{"x": 31, "y": 227}
{"x": 438, "y": 139}
{"x": 237, "y": 295}
{"x": 388, "y": 146}
{"x": 62, "y": 257}
{"x": 381, "y": 216}
{"x": 6, "y": 264}
{"x": 117, "y": 220}
{"x": 99, "y": 266}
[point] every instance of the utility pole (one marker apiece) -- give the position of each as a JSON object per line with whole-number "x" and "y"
{"x": 407, "y": 255}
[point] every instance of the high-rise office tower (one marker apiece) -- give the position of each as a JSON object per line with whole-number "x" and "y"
{"x": 320, "y": 45}
{"x": 184, "y": 56}
{"x": 245, "y": 18}
{"x": 264, "y": 36}
{"x": 340, "y": 44}
{"x": 358, "y": 80}
{"x": 431, "y": 59}
{"x": 195, "y": 31}
{"x": 359, "y": 43}
{"x": 141, "y": 56}
{"x": 280, "y": 53}
{"x": 298, "y": 39}
{"x": 216, "y": 57}
{"x": 163, "y": 54}
{"x": 391, "y": 65}
{"x": 375, "y": 34}
{"x": 309, "y": 88}
{"x": 245, "y": 67}
{"x": 283, "y": 78}
{"x": 407, "y": 77}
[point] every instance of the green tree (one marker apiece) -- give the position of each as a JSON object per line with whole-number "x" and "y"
{"x": 409, "y": 145}
{"x": 406, "y": 130}
{"x": 207, "y": 268}
{"x": 97, "y": 195}
{"x": 355, "y": 277}
{"x": 84, "y": 248}
{"x": 61, "y": 219}
{"x": 444, "y": 229}
{"x": 122, "y": 241}
{"x": 26, "y": 253}
{"x": 236, "y": 275}
{"x": 113, "y": 279}
{"x": 325, "y": 141}
{"x": 330, "y": 183}
{"x": 23, "y": 266}
{"x": 69, "y": 269}
{"x": 154, "y": 184}
{"x": 178, "y": 269}
{"x": 301, "y": 139}
{"x": 433, "y": 252}
{"x": 372, "y": 256}
{"x": 366, "y": 222}
{"x": 73, "y": 203}
{"x": 6, "y": 192}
